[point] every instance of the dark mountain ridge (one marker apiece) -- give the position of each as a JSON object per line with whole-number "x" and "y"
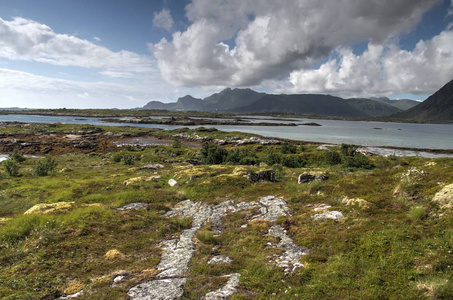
{"x": 437, "y": 108}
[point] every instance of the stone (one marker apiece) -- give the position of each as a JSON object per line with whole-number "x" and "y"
{"x": 332, "y": 215}
{"x": 444, "y": 197}
{"x": 163, "y": 289}
{"x": 133, "y": 206}
{"x": 47, "y": 208}
{"x": 219, "y": 259}
{"x": 322, "y": 207}
{"x": 227, "y": 290}
{"x": 289, "y": 260}
{"x": 271, "y": 209}
{"x": 75, "y": 295}
{"x": 268, "y": 175}
{"x": 152, "y": 167}
{"x": 172, "y": 182}
{"x": 305, "y": 178}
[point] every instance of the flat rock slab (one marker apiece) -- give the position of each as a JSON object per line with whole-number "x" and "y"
{"x": 444, "y": 197}
{"x": 289, "y": 260}
{"x": 226, "y": 291}
{"x": 220, "y": 259}
{"x": 332, "y": 215}
{"x": 271, "y": 209}
{"x": 164, "y": 289}
{"x": 133, "y": 206}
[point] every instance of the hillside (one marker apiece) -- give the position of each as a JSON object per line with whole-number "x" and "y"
{"x": 437, "y": 108}
{"x": 402, "y": 104}
{"x": 373, "y": 108}
{"x": 306, "y": 104}
{"x": 229, "y": 99}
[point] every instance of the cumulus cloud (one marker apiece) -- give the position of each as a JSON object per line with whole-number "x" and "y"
{"x": 24, "y": 39}
{"x": 380, "y": 70}
{"x": 242, "y": 43}
{"x": 450, "y": 10}
{"x": 163, "y": 19}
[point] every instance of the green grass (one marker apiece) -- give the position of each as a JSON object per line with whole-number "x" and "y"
{"x": 400, "y": 247}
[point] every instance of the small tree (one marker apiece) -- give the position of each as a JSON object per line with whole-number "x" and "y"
{"x": 45, "y": 166}
{"x": 332, "y": 158}
{"x": 11, "y": 168}
{"x": 16, "y": 156}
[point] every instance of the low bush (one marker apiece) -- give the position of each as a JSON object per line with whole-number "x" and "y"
{"x": 11, "y": 168}
{"x": 45, "y": 167}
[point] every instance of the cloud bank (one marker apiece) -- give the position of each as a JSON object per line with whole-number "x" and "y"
{"x": 27, "y": 40}
{"x": 246, "y": 43}
{"x": 163, "y": 20}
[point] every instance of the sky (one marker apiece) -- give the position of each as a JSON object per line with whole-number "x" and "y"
{"x": 125, "y": 53}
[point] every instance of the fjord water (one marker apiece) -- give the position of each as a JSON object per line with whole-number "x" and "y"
{"x": 386, "y": 134}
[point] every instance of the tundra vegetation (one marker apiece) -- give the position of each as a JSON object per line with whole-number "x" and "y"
{"x": 64, "y": 226}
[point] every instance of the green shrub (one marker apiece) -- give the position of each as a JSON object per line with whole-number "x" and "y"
{"x": 279, "y": 172}
{"x": 212, "y": 154}
{"x": 11, "y": 168}
{"x": 293, "y": 161}
{"x": 206, "y": 236}
{"x": 332, "y": 158}
{"x": 358, "y": 161}
{"x": 45, "y": 167}
{"x": 176, "y": 144}
{"x": 128, "y": 160}
{"x": 116, "y": 157}
{"x": 16, "y": 156}
{"x": 348, "y": 149}
{"x": 288, "y": 148}
{"x": 273, "y": 158}
{"x": 417, "y": 213}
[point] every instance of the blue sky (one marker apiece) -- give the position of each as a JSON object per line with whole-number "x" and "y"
{"x": 123, "y": 54}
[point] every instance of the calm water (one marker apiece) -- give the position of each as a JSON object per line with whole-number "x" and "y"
{"x": 425, "y": 136}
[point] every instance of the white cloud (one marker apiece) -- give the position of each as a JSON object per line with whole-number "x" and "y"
{"x": 163, "y": 19}
{"x": 380, "y": 70}
{"x": 117, "y": 74}
{"x": 450, "y": 10}
{"x": 96, "y": 39}
{"x": 27, "y": 40}
{"x": 273, "y": 38}
{"x": 24, "y": 89}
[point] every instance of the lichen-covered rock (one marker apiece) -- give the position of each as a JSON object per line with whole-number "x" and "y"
{"x": 152, "y": 167}
{"x": 305, "y": 178}
{"x": 141, "y": 178}
{"x": 226, "y": 291}
{"x": 444, "y": 197}
{"x": 332, "y": 215}
{"x": 363, "y": 204}
{"x": 47, "y": 208}
{"x": 114, "y": 254}
{"x": 268, "y": 175}
{"x": 164, "y": 289}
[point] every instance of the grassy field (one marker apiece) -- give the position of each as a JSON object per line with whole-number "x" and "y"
{"x": 394, "y": 243}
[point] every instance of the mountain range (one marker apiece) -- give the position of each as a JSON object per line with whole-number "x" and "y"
{"x": 438, "y": 107}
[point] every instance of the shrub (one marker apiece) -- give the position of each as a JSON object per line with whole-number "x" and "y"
{"x": 287, "y": 148}
{"x": 116, "y": 157}
{"x": 212, "y": 154}
{"x": 332, "y": 158}
{"x": 11, "y": 168}
{"x": 176, "y": 144}
{"x": 293, "y": 161}
{"x": 16, "y": 156}
{"x": 279, "y": 172}
{"x": 348, "y": 149}
{"x": 358, "y": 160}
{"x": 417, "y": 213}
{"x": 273, "y": 158}
{"x": 45, "y": 166}
{"x": 129, "y": 160}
